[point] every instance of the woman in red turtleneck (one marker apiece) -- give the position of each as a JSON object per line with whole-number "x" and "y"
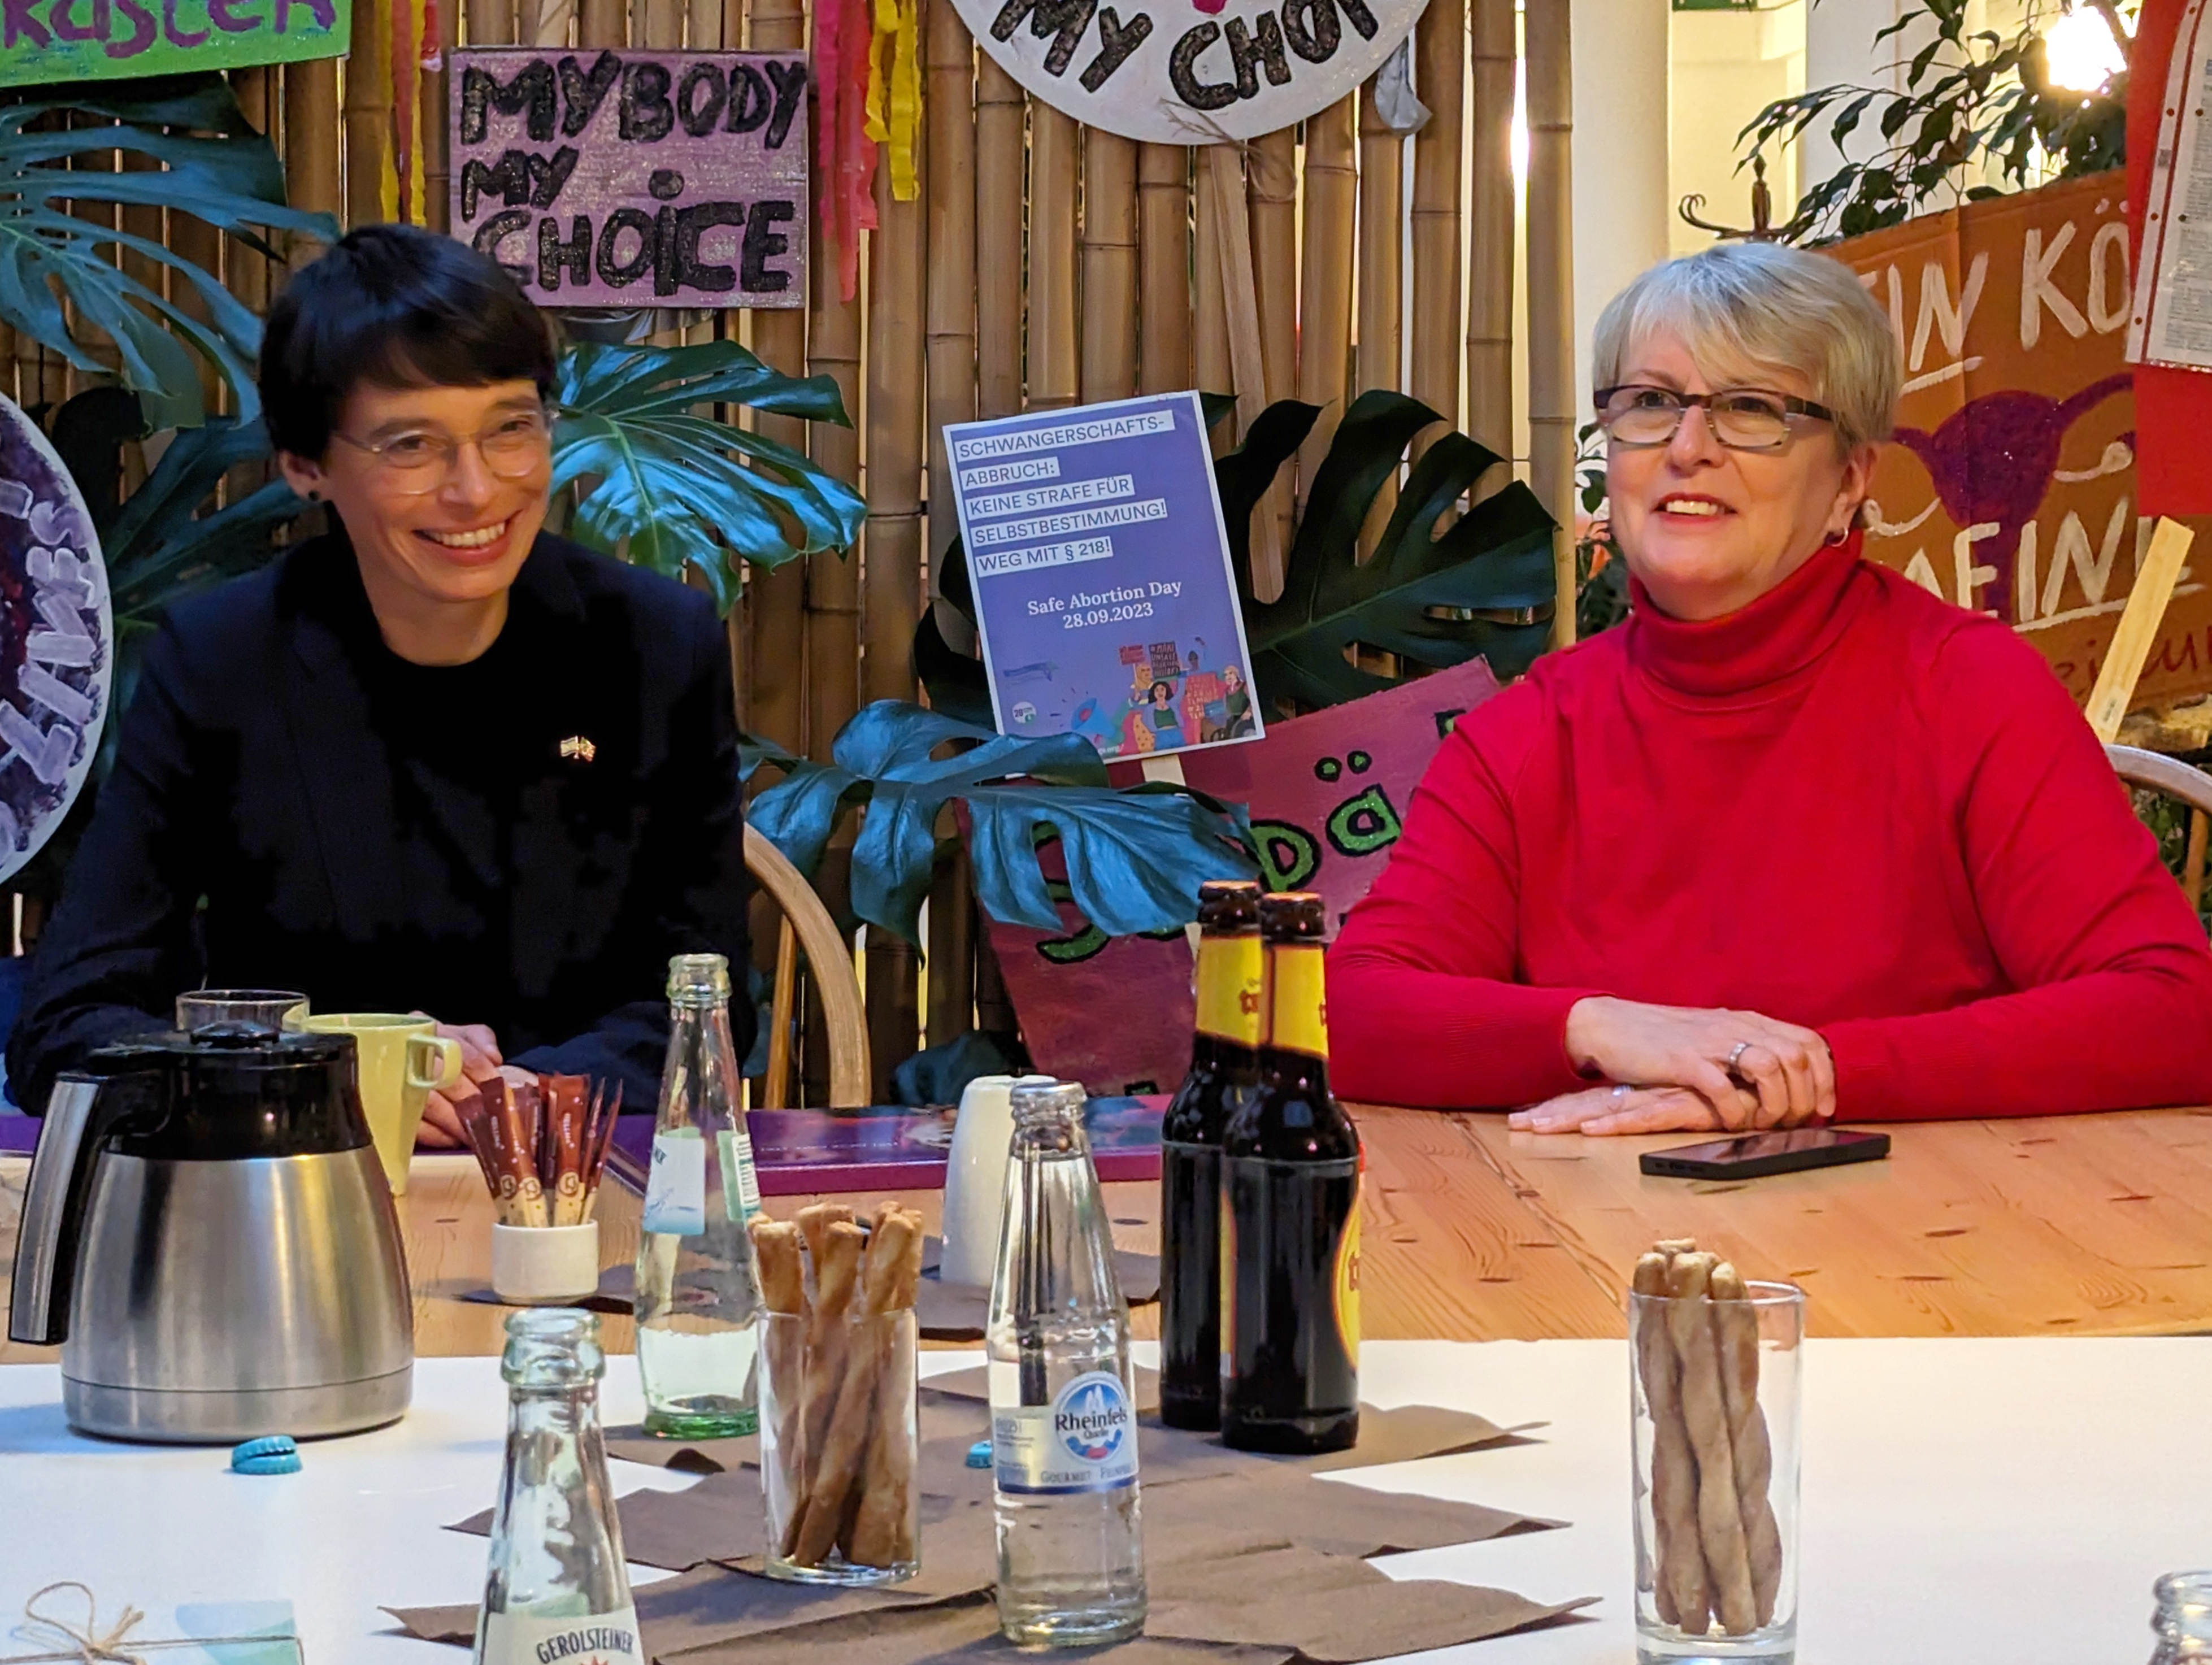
{"x": 1799, "y": 840}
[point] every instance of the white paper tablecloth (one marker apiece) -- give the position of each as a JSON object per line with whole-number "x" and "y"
{"x": 1966, "y": 1502}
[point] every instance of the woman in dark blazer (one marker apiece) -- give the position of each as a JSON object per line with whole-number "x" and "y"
{"x": 438, "y": 759}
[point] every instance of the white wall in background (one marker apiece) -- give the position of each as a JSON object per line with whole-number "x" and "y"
{"x": 1729, "y": 65}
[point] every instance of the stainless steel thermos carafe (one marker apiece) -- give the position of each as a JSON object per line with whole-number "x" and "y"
{"x": 210, "y": 1237}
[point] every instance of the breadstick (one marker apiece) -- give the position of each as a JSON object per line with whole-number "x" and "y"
{"x": 1735, "y": 1325}
{"x": 830, "y": 1500}
{"x": 783, "y": 1281}
{"x": 1680, "y": 1581}
{"x": 836, "y": 1275}
{"x": 883, "y": 1533}
{"x": 1704, "y": 1413}
{"x": 814, "y": 1223}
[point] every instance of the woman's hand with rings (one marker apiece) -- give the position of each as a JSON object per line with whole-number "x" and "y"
{"x": 1598, "y": 1111}
{"x": 1722, "y": 1057}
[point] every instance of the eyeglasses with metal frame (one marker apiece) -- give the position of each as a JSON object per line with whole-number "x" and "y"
{"x": 1741, "y": 418}
{"x": 419, "y": 461}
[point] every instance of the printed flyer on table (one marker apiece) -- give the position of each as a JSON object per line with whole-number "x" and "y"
{"x": 1103, "y": 592}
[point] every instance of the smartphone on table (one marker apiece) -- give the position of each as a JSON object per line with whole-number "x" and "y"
{"x": 1754, "y": 1156}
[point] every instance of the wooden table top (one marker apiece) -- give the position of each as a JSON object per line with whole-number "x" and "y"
{"x": 2089, "y": 1225}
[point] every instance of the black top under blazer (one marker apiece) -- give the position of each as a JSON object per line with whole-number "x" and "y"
{"x": 296, "y": 806}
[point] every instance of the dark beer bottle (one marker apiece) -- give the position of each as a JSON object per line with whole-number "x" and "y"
{"x": 1290, "y": 1206}
{"x": 1225, "y": 1063}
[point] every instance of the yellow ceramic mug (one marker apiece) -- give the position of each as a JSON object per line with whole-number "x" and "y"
{"x": 402, "y": 1060}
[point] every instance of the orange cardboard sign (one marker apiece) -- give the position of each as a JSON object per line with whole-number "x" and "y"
{"x": 2011, "y": 484}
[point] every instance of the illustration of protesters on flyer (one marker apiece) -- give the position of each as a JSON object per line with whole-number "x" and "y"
{"x": 1104, "y": 594}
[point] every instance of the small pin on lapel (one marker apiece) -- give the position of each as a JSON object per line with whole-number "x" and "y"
{"x": 576, "y": 749}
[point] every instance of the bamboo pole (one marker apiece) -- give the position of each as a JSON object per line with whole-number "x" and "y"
{"x": 1439, "y": 73}
{"x": 776, "y": 598}
{"x": 1163, "y": 277}
{"x": 602, "y": 23}
{"x": 436, "y": 138}
{"x": 491, "y": 23}
{"x": 1551, "y": 291}
{"x": 833, "y": 609}
{"x": 311, "y": 145}
{"x": 949, "y": 106}
{"x": 367, "y": 117}
{"x": 1247, "y": 354}
{"x": 1271, "y": 172}
{"x": 1382, "y": 243}
{"x": 1489, "y": 274}
{"x": 949, "y": 69}
{"x": 1109, "y": 367}
{"x": 258, "y": 100}
{"x": 1332, "y": 193}
{"x": 1209, "y": 311}
{"x": 1052, "y": 376}
{"x": 1001, "y": 111}
{"x": 891, "y": 574}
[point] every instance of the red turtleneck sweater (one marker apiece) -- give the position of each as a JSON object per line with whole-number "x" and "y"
{"x": 1850, "y": 806}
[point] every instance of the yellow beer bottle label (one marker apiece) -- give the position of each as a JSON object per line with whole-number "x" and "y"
{"x": 1301, "y": 1000}
{"x": 1230, "y": 987}
{"x": 1347, "y": 1279}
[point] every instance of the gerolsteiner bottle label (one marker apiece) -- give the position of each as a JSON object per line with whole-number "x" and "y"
{"x": 1290, "y": 1280}
{"x": 602, "y": 1639}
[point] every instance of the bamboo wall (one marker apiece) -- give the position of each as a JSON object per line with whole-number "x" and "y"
{"x": 1043, "y": 264}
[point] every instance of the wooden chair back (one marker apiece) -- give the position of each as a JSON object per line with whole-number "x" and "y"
{"x": 807, "y": 925}
{"x": 2156, "y": 772}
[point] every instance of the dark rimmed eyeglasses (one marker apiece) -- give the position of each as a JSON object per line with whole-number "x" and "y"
{"x": 1741, "y": 418}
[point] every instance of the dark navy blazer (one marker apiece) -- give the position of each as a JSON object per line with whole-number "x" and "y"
{"x": 286, "y": 811}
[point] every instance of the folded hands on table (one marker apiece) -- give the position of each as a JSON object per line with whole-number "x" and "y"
{"x": 1682, "y": 1069}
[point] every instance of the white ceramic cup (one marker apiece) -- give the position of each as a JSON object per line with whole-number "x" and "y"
{"x": 975, "y": 1177}
{"x": 544, "y": 1265}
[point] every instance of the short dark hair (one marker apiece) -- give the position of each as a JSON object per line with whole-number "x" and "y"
{"x": 395, "y": 307}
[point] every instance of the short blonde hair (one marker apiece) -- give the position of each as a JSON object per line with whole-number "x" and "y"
{"x": 1744, "y": 308}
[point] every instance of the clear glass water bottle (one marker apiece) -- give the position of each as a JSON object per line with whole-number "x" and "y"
{"x": 698, "y": 1290}
{"x": 1063, "y": 1409}
{"x": 556, "y": 1588}
{"x": 2184, "y": 1618}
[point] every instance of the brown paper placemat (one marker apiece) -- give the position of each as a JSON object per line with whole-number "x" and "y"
{"x": 687, "y": 1456}
{"x": 1284, "y": 1508}
{"x": 962, "y": 1631}
{"x": 958, "y": 1312}
{"x": 973, "y": 1384}
{"x": 712, "y": 1604}
{"x": 721, "y": 1518}
{"x": 1328, "y": 1609}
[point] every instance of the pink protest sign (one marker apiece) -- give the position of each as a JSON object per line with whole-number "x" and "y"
{"x": 635, "y": 179}
{"x": 1327, "y": 794}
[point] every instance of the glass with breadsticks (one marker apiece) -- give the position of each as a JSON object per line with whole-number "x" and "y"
{"x": 838, "y": 1419}
{"x": 1715, "y": 1369}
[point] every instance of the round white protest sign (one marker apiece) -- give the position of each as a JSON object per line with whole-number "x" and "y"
{"x": 1189, "y": 71}
{"x": 57, "y": 639}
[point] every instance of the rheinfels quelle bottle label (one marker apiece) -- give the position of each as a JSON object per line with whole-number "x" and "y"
{"x": 1231, "y": 988}
{"x": 1301, "y": 1000}
{"x": 522, "y": 1639}
{"x": 1084, "y": 1441}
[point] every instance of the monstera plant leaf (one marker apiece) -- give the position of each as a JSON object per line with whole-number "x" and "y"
{"x": 684, "y": 489}
{"x": 1484, "y": 585}
{"x": 212, "y": 166}
{"x": 1135, "y": 858}
{"x": 159, "y": 548}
